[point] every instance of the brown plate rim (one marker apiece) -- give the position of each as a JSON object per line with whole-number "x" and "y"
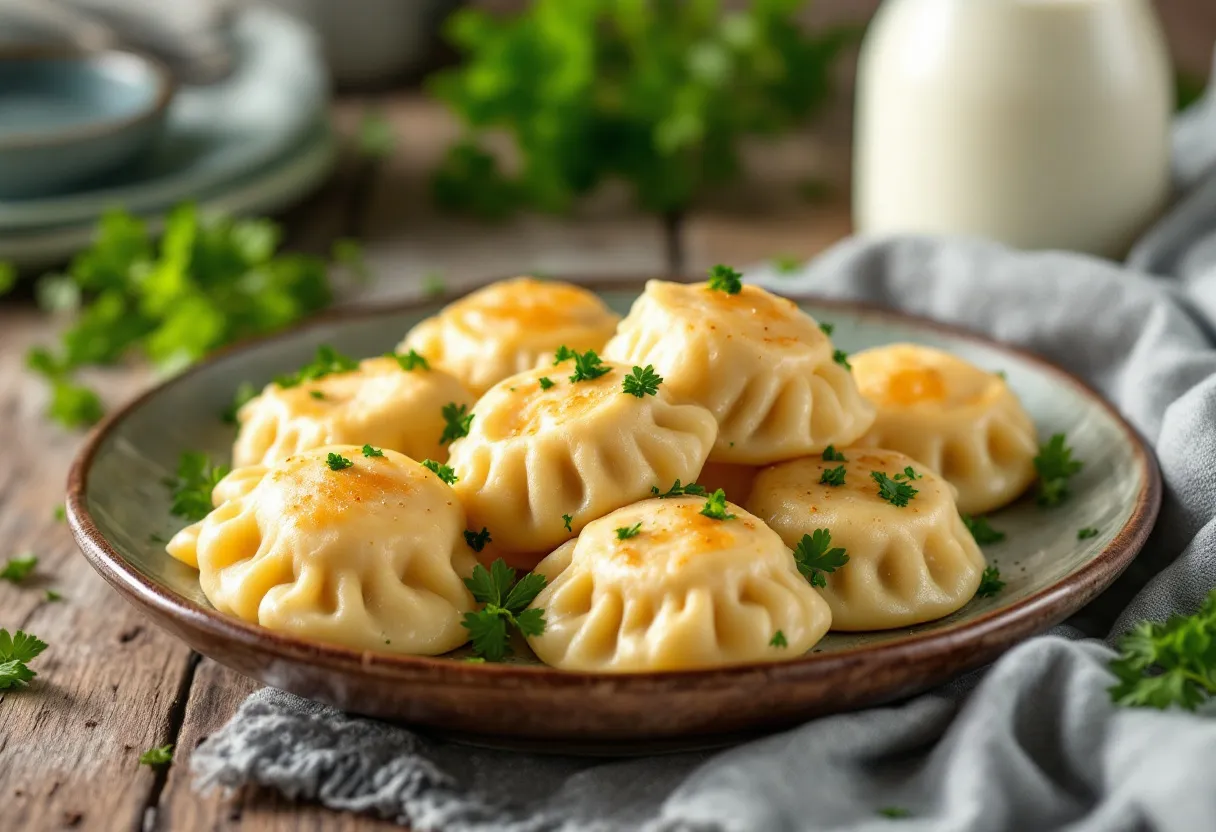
{"x": 986, "y": 634}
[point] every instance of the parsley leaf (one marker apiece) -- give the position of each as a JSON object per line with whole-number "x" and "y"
{"x": 545, "y": 382}
{"x": 990, "y": 583}
{"x": 1086, "y": 533}
{"x": 778, "y": 640}
{"x": 369, "y": 451}
{"x": 981, "y": 530}
{"x": 327, "y": 361}
{"x": 894, "y": 812}
{"x": 60, "y": 513}
{"x": 158, "y": 756}
{"x": 375, "y": 138}
{"x": 830, "y": 454}
{"x": 477, "y": 540}
{"x": 316, "y": 394}
{"x": 458, "y": 420}
{"x": 1161, "y": 664}
{"x": 642, "y": 382}
{"x": 1055, "y": 465}
{"x": 826, "y": 328}
{"x": 566, "y": 518}
{"x": 337, "y": 462}
{"x": 893, "y": 489}
{"x": 191, "y": 490}
{"x": 626, "y": 532}
{"x": 410, "y": 361}
{"x": 505, "y": 603}
{"x": 587, "y": 365}
{"x": 245, "y": 393}
{"x": 16, "y": 651}
{"x": 725, "y": 279}
{"x": 842, "y": 358}
{"x": 832, "y": 476}
{"x": 51, "y": 595}
{"x": 433, "y": 285}
{"x": 678, "y": 490}
{"x": 786, "y": 264}
{"x": 815, "y": 556}
{"x": 715, "y": 506}
{"x": 19, "y": 568}
{"x": 444, "y": 472}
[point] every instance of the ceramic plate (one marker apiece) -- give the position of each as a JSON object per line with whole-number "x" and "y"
{"x": 119, "y": 510}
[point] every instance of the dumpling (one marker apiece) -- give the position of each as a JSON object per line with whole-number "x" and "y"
{"x": 960, "y": 421}
{"x": 907, "y": 564}
{"x": 509, "y": 327}
{"x": 756, "y": 361}
{"x": 545, "y": 455}
{"x": 684, "y": 591}
{"x": 370, "y": 556}
{"x": 379, "y": 403}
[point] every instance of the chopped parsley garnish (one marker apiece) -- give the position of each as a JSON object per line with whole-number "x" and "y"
{"x": 826, "y": 328}
{"x": 830, "y": 454}
{"x": 316, "y": 394}
{"x": 842, "y": 358}
{"x": 191, "y": 490}
{"x": 725, "y": 279}
{"x": 778, "y": 640}
{"x": 1161, "y": 664}
{"x": 51, "y": 595}
{"x": 587, "y": 365}
{"x": 337, "y": 462}
{"x": 895, "y": 490}
{"x": 245, "y": 393}
{"x": 678, "y": 490}
{"x": 566, "y": 518}
{"x": 444, "y": 472}
{"x": 505, "y": 604}
{"x": 642, "y": 382}
{"x": 158, "y": 756}
{"x": 17, "y": 651}
{"x": 60, "y": 513}
{"x": 410, "y": 361}
{"x": 832, "y": 476}
{"x": 327, "y": 362}
{"x": 545, "y": 382}
{"x": 458, "y": 420}
{"x": 433, "y": 285}
{"x": 477, "y": 540}
{"x": 1086, "y": 533}
{"x": 786, "y": 264}
{"x": 1055, "y": 465}
{"x": 19, "y": 568}
{"x": 369, "y": 451}
{"x": 981, "y": 530}
{"x": 990, "y": 583}
{"x": 715, "y": 506}
{"x": 894, "y": 812}
{"x": 626, "y": 532}
{"x": 815, "y": 556}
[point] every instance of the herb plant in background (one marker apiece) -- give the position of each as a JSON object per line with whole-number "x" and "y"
{"x": 658, "y": 93}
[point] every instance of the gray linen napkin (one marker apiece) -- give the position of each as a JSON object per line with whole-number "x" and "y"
{"x": 1033, "y": 743}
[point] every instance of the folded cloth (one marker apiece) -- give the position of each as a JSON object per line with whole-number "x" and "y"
{"x": 1032, "y": 743}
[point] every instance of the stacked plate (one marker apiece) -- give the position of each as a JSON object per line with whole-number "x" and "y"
{"x": 253, "y": 142}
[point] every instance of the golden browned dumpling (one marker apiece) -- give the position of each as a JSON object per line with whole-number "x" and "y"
{"x": 659, "y": 585}
{"x": 370, "y": 556}
{"x": 911, "y": 559}
{"x": 960, "y": 421}
{"x": 756, "y": 361}
{"x": 509, "y": 327}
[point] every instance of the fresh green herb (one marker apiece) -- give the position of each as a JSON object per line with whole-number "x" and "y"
{"x": 348, "y": 254}
{"x": 895, "y": 490}
{"x": 1000, "y": 374}
{"x": 433, "y": 285}
{"x": 642, "y": 382}
{"x": 778, "y": 640}
{"x": 725, "y": 279}
{"x": 505, "y": 603}
{"x": 545, "y": 382}
{"x": 458, "y": 421}
{"x": 410, "y": 361}
{"x": 587, "y": 365}
{"x": 990, "y": 582}
{"x": 72, "y": 405}
{"x": 832, "y": 476}
{"x": 626, "y": 532}
{"x": 316, "y": 394}
{"x": 375, "y": 138}
{"x": 826, "y": 328}
{"x": 444, "y": 472}
{"x": 337, "y": 462}
{"x": 474, "y": 659}
{"x": 1171, "y": 663}
{"x": 369, "y": 451}
{"x": 16, "y": 652}
{"x": 191, "y": 489}
{"x": 894, "y": 812}
{"x": 158, "y": 756}
{"x": 57, "y": 294}
{"x": 1086, "y": 533}
{"x": 678, "y": 490}
{"x": 51, "y": 596}
{"x": 786, "y": 264}
{"x": 715, "y": 506}
{"x": 245, "y": 393}
{"x": 477, "y": 540}
{"x": 60, "y": 513}
{"x": 982, "y": 530}
{"x": 1189, "y": 88}
{"x": 830, "y": 454}
{"x": 19, "y": 568}
{"x": 842, "y": 358}
{"x": 815, "y": 556}
{"x": 327, "y": 361}
{"x": 1055, "y": 465}
{"x": 8, "y": 277}
{"x": 566, "y": 518}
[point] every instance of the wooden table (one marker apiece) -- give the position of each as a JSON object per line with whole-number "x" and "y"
{"x": 112, "y": 685}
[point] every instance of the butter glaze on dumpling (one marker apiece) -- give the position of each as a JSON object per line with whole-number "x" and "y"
{"x": 687, "y": 591}
{"x": 509, "y": 327}
{"x": 379, "y": 404}
{"x": 760, "y": 364}
{"x": 581, "y": 449}
{"x": 370, "y": 557}
{"x": 906, "y": 564}
{"x": 959, "y": 420}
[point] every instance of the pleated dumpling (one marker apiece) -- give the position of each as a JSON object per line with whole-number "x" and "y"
{"x": 378, "y": 402}
{"x": 910, "y": 558}
{"x": 760, "y": 364}
{"x": 962, "y": 422}
{"x": 362, "y": 551}
{"x": 659, "y": 585}
{"x": 545, "y": 455}
{"x": 509, "y": 327}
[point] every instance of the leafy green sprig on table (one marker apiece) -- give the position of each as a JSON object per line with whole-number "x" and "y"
{"x": 656, "y": 94}
{"x": 16, "y": 652}
{"x": 1168, "y": 663}
{"x": 17, "y": 569}
{"x": 505, "y": 603}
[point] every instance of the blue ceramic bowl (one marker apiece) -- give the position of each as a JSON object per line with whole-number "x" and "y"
{"x": 66, "y": 117}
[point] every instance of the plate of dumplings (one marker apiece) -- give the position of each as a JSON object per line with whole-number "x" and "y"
{"x": 610, "y": 516}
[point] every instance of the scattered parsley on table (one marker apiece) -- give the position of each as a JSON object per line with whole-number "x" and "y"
{"x": 982, "y": 530}
{"x": 1163, "y": 664}
{"x": 642, "y": 382}
{"x": 60, "y": 513}
{"x": 191, "y": 490}
{"x": 715, "y": 506}
{"x": 1055, "y": 466}
{"x": 19, "y": 568}
{"x": 505, "y": 605}
{"x": 158, "y": 756}
{"x": 458, "y": 421}
{"x": 587, "y": 365}
{"x": 444, "y": 472}
{"x": 51, "y": 596}
{"x": 16, "y": 652}
{"x": 815, "y": 556}
{"x": 990, "y": 583}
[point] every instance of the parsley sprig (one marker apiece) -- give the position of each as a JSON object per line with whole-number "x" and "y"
{"x": 830, "y": 454}
{"x": 410, "y": 361}
{"x": 815, "y": 556}
{"x": 982, "y": 530}
{"x": 587, "y": 365}
{"x": 832, "y": 476}
{"x": 1161, "y": 664}
{"x": 566, "y": 519}
{"x": 505, "y": 604}
{"x": 715, "y": 507}
{"x": 326, "y": 362}
{"x": 477, "y": 540}
{"x": 458, "y": 422}
{"x": 990, "y": 582}
{"x": 778, "y": 640}
{"x": 369, "y": 451}
{"x": 842, "y": 358}
{"x": 157, "y": 756}
{"x": 1055, "y": 466}
{"x": 16, "y": 652}
{"x": 626, "y": 532}
{"x": 545, "y": 382}
{"x": 337, "y": 462}
{"x": 642, "y": 382}
{"x": 19, "y": 568}
{"x": 896, "y": 490}
{"x": 1087, "y": 532}
{"x": 191, "y": 490}
{"x": 678, "y": 490}
{"x": 444, "y": 472}
{"x": 725, "y": 279}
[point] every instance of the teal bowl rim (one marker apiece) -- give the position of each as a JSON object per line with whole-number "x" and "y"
{"x": 166, "y": 86}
